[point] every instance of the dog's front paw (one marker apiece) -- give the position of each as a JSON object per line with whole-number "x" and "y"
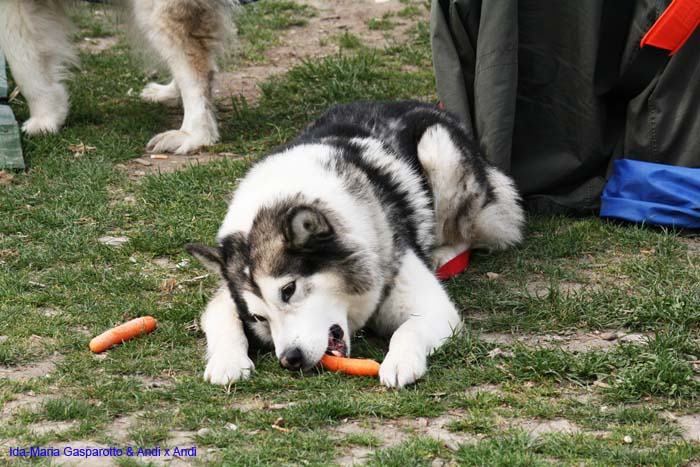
{"x": 222, "y": 368}
{"x": 178, "y": 142}
{"x": 402, "y": 368}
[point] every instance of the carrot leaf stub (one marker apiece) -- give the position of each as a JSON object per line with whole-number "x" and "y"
{"x": 350, "y": 366}
{"x": 123, "y": 332}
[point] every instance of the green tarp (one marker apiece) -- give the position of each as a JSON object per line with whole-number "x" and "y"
{"x": 521, "y": 76}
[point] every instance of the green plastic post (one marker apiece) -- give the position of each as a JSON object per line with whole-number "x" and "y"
{"x": 10, "y": 145}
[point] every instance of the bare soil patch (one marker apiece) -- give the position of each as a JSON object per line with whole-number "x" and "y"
{"x": 392, "y": 432}
{"x": 577, "y": 342}
{"x": 82, "y": 461}
{"x": 317, "y": 39}
{"x": 51, "y": 427}
{"x": 147, "y": 164}
{"x": 36, "y": 370}
{"x": 538, "y": 428}
{"x": 95, "y": 45}
{"x": 26, "y": 401}
{"x": 689, "y": 425}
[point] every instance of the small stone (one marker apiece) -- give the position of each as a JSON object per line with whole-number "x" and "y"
{"x": 634, "y": 338}
{"x": 143, "y": 162}
{"x": 497, "y": 352}
{"x": 282, "y": 405}
{"x": 627, "y": 439}
{"x": 203, "y": 431}
{"x": 231, "y": 427}
{"x": 492, "y": 275}
{"x": 110, "y": 240}
{"x": 3, "y": 339}
{"x": 608, "y": 336}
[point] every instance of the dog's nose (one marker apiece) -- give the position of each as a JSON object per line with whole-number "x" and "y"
{"x": 292, "y": 359}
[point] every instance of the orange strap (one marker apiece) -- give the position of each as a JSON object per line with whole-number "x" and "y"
{"x": 674, "y": 26}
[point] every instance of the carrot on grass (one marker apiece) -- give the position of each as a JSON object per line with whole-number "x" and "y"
{"x": 350, "y": 366}
{"x": 122, "y": 333}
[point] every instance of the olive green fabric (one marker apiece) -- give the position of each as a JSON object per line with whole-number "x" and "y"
{"x": 521, "y": 76}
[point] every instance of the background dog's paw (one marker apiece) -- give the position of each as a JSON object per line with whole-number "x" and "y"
{"x": 402, "y": 368}
{"x": 41, "y": 125}
{"x": 167, "y": 94}
{"x": 224, "y": 369}
{"x": 177, "y": 142}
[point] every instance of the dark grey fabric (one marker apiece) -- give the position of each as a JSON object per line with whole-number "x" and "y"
{"x": 521, "y": 75}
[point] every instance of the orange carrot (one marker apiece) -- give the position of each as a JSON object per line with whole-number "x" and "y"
{"x": 122, "y": 333}
{"x": 350, "y": 366}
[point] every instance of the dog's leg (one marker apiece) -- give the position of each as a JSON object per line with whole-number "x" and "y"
{"x": 167, "y": 94}
{"x": 421, "y": 317}
{"x": 227, "y": 346}
{"x": 34, "y": 37}
{"x": 187, "y": 35}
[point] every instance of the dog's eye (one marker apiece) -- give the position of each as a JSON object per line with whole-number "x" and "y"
{"x": 288, "y": 290}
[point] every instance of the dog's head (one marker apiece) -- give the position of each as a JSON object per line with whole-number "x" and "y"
{"x": 294, "y": 278}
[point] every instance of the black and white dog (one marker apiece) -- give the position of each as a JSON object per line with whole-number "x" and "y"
{"x": 185, "y": 35}
{"x": 344, "y": 227}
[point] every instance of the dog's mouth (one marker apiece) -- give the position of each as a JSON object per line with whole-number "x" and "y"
{"x": 336, "y": 343}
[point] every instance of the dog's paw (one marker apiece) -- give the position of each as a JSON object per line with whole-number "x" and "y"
{"x": 41, "y": 125}
{"x": 444, "y": 254}
{"x": 402, "y": 368}
{"x": 178, "y": 142}
{"x": 222, "y": 368}
{"x": 167, "y": 94}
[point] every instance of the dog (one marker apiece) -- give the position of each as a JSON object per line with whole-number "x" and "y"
{"x": 185, "y": 34}
{"x": 343, "y": 228}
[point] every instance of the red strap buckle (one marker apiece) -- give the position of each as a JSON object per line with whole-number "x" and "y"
{"x": 674, "y": 26}
{"x": 454, "y": 266}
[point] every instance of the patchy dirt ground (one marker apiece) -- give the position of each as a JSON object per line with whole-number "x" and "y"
{"x": 576, "y": 342}
{"x": 149, "y": 164}
{"x": 36, "y": 370}
{"x": 318, "y": 38}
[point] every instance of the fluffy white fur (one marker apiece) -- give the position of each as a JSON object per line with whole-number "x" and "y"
{"x": 35, "y": 37}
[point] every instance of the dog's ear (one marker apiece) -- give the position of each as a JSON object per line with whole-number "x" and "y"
{"x": 209, "y": 256}
{"x": 307, "y": 227}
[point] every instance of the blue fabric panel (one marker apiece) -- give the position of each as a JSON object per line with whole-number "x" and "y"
{"x": 653, "y": 193}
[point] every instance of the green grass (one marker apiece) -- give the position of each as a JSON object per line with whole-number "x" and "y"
{"x": 260, "y": 24}
{"x": 59, "y": 285}
{"x": 381, "y": 24}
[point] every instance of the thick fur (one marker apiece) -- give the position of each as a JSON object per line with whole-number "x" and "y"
{"x": 185, "y": 34}
{"x": 345, "y": 226}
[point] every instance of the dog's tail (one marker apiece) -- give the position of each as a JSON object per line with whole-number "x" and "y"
{"x": 499, "y": 224}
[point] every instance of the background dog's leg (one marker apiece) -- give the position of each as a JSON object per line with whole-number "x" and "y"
{"x": 227, "y": 346}
{"x": 34, "y": 37}
{"x": 167, "y": 94}
{"x": 187, "y": 35}
{"x": 421, "y": 317}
